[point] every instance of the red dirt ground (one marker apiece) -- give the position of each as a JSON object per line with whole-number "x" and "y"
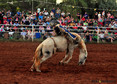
{"x": 15, "y": 63}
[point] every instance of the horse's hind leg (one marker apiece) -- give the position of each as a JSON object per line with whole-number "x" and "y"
{"x": 32, "y": 67}
{"x": 36, "y": 60}
{"x": 37, "y": 65}
{"x": 44, "y": 58}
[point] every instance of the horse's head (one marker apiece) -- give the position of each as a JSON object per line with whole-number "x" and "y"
{"x": 82, "y": 61}
{"x": 82, "y": 57}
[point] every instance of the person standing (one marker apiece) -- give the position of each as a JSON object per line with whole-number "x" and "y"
{"x": 1, "y": 18}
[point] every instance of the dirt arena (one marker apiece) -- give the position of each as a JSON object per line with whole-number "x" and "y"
{"x": 15, "y": 63}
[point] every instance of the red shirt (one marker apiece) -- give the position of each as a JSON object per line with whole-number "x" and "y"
{"x": 116, "y": 33}
{"x": 63, "y": 24}
{"x": 5, "y": 21}
{"x": 83, "y": 19}
{"x": 75, "y": 27}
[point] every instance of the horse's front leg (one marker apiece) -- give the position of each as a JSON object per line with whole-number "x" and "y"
{"x": 66, "y": 56}
{"x": 62, "y": 61}
{"x": 70, "y": 56}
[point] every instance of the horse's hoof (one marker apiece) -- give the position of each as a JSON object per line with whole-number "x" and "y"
{"x": 38, "y": 70}
{"x": 60, "y": 63}
{"x": 80, "y": 63}
{"x": 31, "y": 69}
{"x": 65, "y": 63}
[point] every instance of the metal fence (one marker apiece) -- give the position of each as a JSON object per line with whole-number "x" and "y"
{"x": 27, "y": 32}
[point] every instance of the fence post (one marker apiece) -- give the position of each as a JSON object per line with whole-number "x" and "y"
{"x": 98, "y": 35}
{"x": 32, "y": 32}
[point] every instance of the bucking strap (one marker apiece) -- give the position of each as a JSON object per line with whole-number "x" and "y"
{"x": 54, "y": 42}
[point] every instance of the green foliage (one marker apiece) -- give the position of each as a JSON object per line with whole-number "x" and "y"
{"x": 66, "y": 6}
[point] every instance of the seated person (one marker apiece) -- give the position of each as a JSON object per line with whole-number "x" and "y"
{"x": 109, "y": 38}
{"x": 101, "y": 36}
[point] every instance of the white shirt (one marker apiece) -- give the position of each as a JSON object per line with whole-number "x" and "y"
{"x": 84, "y": 27}
{"x": 101, "y": 35}
{"x": 46, "y": 13}
{"x": 11, "y": 33}
{"x": 99, "y": 15}
{"x": 62, "y": 13}
{"x": 23, "y": 33}
{"x": 115, "y": 25}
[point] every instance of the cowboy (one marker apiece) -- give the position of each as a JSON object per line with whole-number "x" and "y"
{"x": 60, "y": 30}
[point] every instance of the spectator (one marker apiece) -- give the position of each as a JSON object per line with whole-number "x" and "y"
{"x": 108, "y": 15}
{"x": 46, "y": 13}
{"x": 11, "y": 34}
{"x": 78, "y": 16}
{"x": 58, "y": 11}
{"x": 111, "y": 25}
{"x": 53, "y": 10}
{"x": 65, "y": 18}
{"x": 5, "y": 21}
{"x": 1, "y": 18}
{"x": 23, "y": 34}
{"x": 99, "y": 15}
{"x": 16, "y": 23}
{"x": 86, "y": 15}
{"x": 63, "y": 14}
{"x": 52, "y": 14}
{"x": 29, "y": 32}
{"x": 100, "y": 21}
{"x": 116, "y": 18}
{"x": 84, "y": 28}
{"x": 27, "y": 22}
{"x": 19, "y": 13}
{"x": 2, "y": 29}
{"x": 112, "y": 17}
{"x": 103, "y": 13}
{"x": 40, "y": 16}
{"x": 101, "y": 36}
{"x": 90, "y": 22}
{"x": 94, "y": 38}
{"x": 96, "y": 16}
{"x": 87, "y": 37}
{"x": 115, "y": 25}
{"x": 85, "y": 23}
{"x": 95, "y": 23}
{"x": 83, "y": 19}
{"x": 109, "y": 38}
{"x": 57, "y": 15}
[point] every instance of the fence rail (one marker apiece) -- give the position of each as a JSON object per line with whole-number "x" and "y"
{"x": 94, "y": 30}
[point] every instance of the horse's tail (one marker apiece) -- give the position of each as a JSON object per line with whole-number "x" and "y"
{"x": 37, "y": 56}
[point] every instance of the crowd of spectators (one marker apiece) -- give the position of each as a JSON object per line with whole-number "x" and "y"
{"x": 86, "y": 25}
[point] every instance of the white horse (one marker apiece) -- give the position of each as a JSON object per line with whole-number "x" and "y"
{"x": 58, "y": 44}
